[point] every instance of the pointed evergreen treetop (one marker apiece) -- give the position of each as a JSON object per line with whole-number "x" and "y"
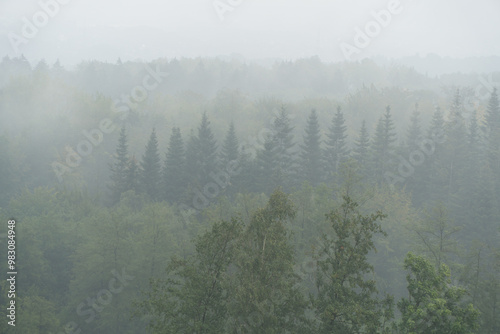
{"x": 311, "y": 151}
{"x": 389, "y": 127}
{"x": 282, "y": 131}
{"x": 414, "y": 131}
{"x": 119, "y": 167}
{"x": 336, "y": 151}
{"x": 207, "y": 149}
{"x": 151, "y": 167}
{"x": 493, "y": 112}
{"x": 174, "y": 181}
{"x": 230, "y": 146}
{"x": 362, "y": 144}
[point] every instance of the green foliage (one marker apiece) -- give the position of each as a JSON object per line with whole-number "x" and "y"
{"x": 174, "y": 172}
{"x": 230, "y": 148}
{"x": 207, "y": 150}
{"x": 480, "y": 276}
{"x": 151, "y": 168}
{"x": 264, "y": 294}
{"x": 284, "y": 160}
{"x": 361, "y": 149}
{"x": 433, "y": 306}
{"x": 192, "y": 298}
{"x": 6, "y": 173}
{"x": 69, "y": 241}
{"x": 36, "y": 315}
{"x": 382, "y": 148}
{"x": 119, "y": 169}
{"x": 346, "y": 300}
{"x": 436, "y": 234}
{"x": 310, "y": 156}
{"x": 336, "y": 151}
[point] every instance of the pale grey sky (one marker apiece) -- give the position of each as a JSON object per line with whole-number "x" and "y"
{"x": 290, "y": 29}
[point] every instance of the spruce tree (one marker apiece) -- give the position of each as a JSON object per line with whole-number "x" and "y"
{"x": 473, "y": 195}
{"x": 361, "y": 149}
{"x": 383, "y": 149}
{"x": 414, "y": 134}
{"x": 207, "y": 150}
{"x": 192, "y": 161}
{"x": 151, "y": 168}
{"x": 285, "y": 162}
{"x": 434, "y": 163}
{"x": 336, "y": 151}
{"x": 311, "y": 170}
{"x": 265, "y": 174}
{"x": 119, "y": 168}
{"x": 454, "y": 152}
{"x": 174, "y": 179}
{"x": 412, "y": 152}
{"x": 132, "y": 176}
{"x": 493, "y": 133}
{"x": 230, "y": 147}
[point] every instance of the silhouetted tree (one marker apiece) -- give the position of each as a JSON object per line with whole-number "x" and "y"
{"x": 151, "y": 168}
{"x": 336, "y": 150}
{"x": 362, "y": 149}
{"x": 174, "y": 171}
{"x": 310, "y": 155}
{"x": 119, "y": 168}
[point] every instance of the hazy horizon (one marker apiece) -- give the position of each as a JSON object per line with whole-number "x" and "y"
{"x": 290, "y": 30}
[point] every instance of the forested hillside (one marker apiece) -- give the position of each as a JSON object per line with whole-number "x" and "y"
{"x": 210, "y": 196}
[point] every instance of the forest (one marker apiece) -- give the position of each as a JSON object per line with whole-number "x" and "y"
{"x": 208, "y": 195}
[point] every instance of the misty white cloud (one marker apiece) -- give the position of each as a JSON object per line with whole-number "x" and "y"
{"x": 290, "y": 29}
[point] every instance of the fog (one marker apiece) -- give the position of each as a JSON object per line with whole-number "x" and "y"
{"x": 106, "y": 30}
{"x": 238, "y": 166}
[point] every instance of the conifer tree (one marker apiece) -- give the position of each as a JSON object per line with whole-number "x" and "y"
{"x": 192, "y": 161}
{"x": 383, "y": 149}
{"x": 493, "y": 133}
{"x": 265, "y": 177}
{"x": 311, "y": 170}
{"x": 336, "y": 151}
{"x": 434, "y": 165}
{"x": 151, "y": 168}
{"x": 285, "y": 163}
{"x": 454, "y": 153}
{"x": 119, "y": 168}
{"x": 414, "y": 134}
{"x": 361, "y": 149}
{"x": 230, "y": 151}
{"x": 207, "y": 150}
{"x": 132, "y": 176}
{"x": 477, "y": 195}
{"x": 174, "y": 179}
{"x": 412, "y": 152}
